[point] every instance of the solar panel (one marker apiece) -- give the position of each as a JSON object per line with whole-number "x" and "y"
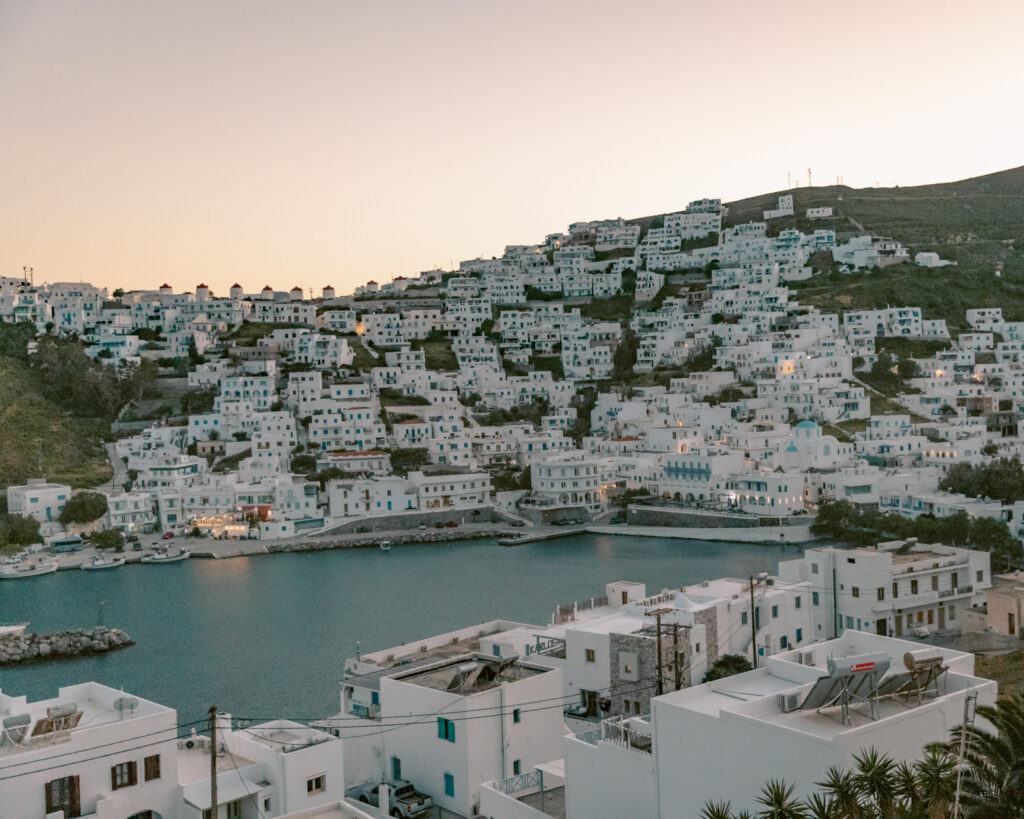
{"x": 894, "y": 684}
{"x": 825, "y": 690}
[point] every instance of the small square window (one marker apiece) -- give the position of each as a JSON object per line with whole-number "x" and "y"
{"x": 316, "y": 784}
{"x": 589, "y": 655}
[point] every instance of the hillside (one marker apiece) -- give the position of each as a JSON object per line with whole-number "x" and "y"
{"x": 978, "y": 222}
{"x": 34, "y": 427}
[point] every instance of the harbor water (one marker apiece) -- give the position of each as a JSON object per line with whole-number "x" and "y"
{"x": 266, "y": 637}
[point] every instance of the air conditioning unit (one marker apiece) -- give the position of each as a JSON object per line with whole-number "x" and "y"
{"x": 789, "y": 702}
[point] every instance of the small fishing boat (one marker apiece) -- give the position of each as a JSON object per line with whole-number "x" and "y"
{"x": 385, "y": 545}
{"x": 100, "y": 562}
{"x": 165, "y": 556}
{"x": 28, "y": 569}
{"x": 8, "y": 629}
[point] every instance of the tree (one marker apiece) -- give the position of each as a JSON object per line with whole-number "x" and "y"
{"x": 907, "y": 368}
{"x": 18, "y": 530}
{"x": 108, "y": 539}
{"x": 625, "y": 356}
{"x": 726, "y": 666}
{"x": 993, "y": 536}
{"x": 84, "y": 507}
{"x": 993, "y": 774}
{"x": 303, "y": 464}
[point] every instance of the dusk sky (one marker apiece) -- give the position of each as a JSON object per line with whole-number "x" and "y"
{"x": 319, "y": 143}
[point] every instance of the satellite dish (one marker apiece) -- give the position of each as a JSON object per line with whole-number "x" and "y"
{"x": 129, "y": 704}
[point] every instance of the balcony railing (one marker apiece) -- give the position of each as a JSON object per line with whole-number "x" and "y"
{"x": 520, "y": 783}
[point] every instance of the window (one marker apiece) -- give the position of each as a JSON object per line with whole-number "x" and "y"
{"x": 798, "y": 603}
{"x": 151, "y": 767}
{"x": 799, "y": 635}
{"x": 589, "y": 655}
{"x": 913, "y": 587}
{"x": 895, "y": 590}
{"x": 62, "y": 794}
{"x": 881, "y": 592}
{"x": 775, "y": 611}
{"x": 814, "y": 568}
{"x": 855, "y": 591}
{"x": 935, "y": 582}
{"x": 698, "y": 648}
{"x": 515, "y": 767}
{"x": 851, "y": 560}
{"x": 815, "y": 600}
{"x": 515, "y": 715}
{"x": 123, "y": 775}
{"x": 316, "y": 784}
{"x": 743, "y": 618}
{"x": 783, "y": 641}
{"x": 234, "y": 809}
{"x": 449, "y": 785}
{"x": 266, "y": 805}
{"x": 981, "y": 575}
{"x": 849, "y": 622}
{"x": 445, "y": 729}
{"x": 952, "y": 612}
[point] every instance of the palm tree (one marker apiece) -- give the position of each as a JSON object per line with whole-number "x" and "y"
{"x": 993, "y": 772}
{"x": 777, "y": 797}
{"x": 874, "y": 779}
{"x": 845, "y": 793}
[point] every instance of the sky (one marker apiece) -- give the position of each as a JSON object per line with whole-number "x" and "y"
{"x": 313, "y": 143}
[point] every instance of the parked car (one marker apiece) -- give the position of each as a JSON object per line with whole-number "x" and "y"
{"x": 132, "y": 538}
{"x": 452, "y": 524}
{"x": 405, "y": 799}
{"x": 167, "y": 535}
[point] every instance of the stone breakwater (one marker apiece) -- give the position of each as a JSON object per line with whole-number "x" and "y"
{"x": 428, "y": 536}
{"x": 34, "y": 648}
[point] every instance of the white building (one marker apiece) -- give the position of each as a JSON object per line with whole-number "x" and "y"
{"x": 787, "y": 720}
{"x": 896, "y": 588}
{"x": 38, "y": 499}
{"x": 90, "y": 751}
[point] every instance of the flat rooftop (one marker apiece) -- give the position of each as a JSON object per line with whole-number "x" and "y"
{"x": 471, "y": 674}
{"x": 76, "y": 710}
{"x": 755, "y": 694}
{"x": 194, "y": 762}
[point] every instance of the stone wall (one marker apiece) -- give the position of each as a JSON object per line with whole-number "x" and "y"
{"x": 27, "y": 648}
{"x": 664, "y": 516}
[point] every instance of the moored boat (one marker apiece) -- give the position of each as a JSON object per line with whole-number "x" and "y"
{"x": 385, "y": 545}
{"x": 28, "y": 569}
{"x": 100, "y": 562}
{"x": 165, "y": 556}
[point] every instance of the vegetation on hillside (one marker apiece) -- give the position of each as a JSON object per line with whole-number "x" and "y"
{"x": 1001, "y": 479}
{"x": 843, "y": 521}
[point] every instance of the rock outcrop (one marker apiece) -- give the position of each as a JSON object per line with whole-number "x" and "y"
{"x": 29, "y": 648}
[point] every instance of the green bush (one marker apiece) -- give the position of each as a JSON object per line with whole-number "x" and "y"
{"x": 84, "y": 507}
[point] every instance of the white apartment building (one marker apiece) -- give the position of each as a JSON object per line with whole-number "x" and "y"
{"x": 91, "y": 751}
{"x": 38, "y": 499}
{"x": 787, "y": 720}
{"x": 272, "y": 769}
{"x": 896, "y": 588}
{"x": 571, "y": 478}
{"x": 451, "y": 491}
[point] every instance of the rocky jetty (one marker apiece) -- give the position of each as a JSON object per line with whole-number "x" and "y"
{"x": 372, "y": 539}
{"x": 33, "y": 648}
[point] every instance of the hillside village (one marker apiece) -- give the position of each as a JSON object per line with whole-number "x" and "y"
{"x": 658, "y": 375}
{"x": 608, "y": 371}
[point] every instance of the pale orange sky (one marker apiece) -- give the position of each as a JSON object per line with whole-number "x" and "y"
{"x": 319, "y": 143}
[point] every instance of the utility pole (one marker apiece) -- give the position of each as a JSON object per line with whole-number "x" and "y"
{"x": 837, "y": 621}
{"x": 960, "y": 755}
{"x": 808, "y": 177}
{"x": 676, "y": 664}
{"x": 661, "y": 662}
{"x": 753, "y": 625}
{"x": 213, "y": 760}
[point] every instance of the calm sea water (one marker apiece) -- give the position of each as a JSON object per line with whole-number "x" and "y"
{"x": 267, "y": 636}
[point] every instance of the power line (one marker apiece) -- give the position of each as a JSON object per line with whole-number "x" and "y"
{"x": 98, "y": 756}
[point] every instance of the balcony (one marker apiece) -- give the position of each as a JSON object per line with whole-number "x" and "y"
{"x": 956, "y": 592}
{"x": 364, "y": 711}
